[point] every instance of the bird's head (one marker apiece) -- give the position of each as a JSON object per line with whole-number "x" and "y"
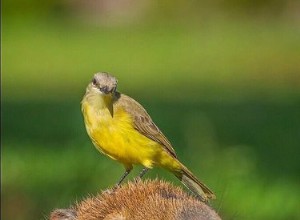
{"x": 104, "y": 83}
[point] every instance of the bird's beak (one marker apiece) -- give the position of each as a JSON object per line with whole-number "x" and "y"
{"x": 106, "y": 90}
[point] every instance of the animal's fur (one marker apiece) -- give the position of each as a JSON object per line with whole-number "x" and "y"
{"x": 152, "y": 200}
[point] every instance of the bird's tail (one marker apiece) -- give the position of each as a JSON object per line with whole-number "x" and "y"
{"x": 192, "y": 183}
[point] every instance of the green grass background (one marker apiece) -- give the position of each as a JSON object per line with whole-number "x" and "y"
{"x": 225, "y": 91}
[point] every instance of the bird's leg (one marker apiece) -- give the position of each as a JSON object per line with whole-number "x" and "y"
{"x": 128, "y": 168}
{"x": 127, "y": 171}
{"x": 142, "y": 173}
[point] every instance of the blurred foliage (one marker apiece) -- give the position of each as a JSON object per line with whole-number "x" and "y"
{"x": 220, "y": 78}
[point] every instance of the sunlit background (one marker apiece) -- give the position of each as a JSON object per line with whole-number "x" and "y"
{"x": 220, "y": 78}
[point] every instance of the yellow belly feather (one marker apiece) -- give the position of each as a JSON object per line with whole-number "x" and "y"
{"x": 116, "y": 137}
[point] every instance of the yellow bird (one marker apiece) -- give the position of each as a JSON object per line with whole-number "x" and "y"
{"x": 120, "y": 128}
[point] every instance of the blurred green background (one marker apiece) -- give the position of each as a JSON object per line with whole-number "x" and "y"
{"x": 220, "y": 78}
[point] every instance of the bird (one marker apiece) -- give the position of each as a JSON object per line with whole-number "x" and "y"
{"x": 121, "y": 128}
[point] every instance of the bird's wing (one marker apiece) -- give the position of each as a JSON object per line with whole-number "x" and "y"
{"x": 143, "y": 122}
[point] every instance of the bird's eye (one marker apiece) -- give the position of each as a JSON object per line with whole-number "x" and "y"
{"x": 94, "y": 81}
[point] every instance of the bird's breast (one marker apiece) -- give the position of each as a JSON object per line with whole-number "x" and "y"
{"x": 116, "y": 136}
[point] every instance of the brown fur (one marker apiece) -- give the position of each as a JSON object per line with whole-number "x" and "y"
{"x": 63, "y": 214}
{"x": 141, "y": 201}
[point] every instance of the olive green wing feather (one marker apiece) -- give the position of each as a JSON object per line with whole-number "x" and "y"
{"x": 143, "y": 122}
{"x": 146, "y": 126}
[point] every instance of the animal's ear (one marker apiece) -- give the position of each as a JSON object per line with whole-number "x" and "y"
{"x": 63, "y": 214}
{"x": 124, "y": 202}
